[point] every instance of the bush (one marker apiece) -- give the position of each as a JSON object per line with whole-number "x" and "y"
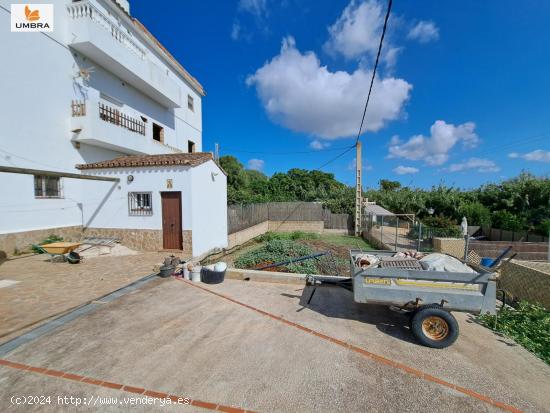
{"x": 49, "y": 240}
{"x": 296, "y": 235}
{"x": 507, "y": 221}
{"x": 528, "y": 325}
{"x": 277, "y": 250}
{"x": 439, "y": 226}
{"x": 476, "y": 213}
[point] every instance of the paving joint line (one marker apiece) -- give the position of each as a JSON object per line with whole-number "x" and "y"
{"x": 380, "y": 359}
{"x": 122, "y": 387}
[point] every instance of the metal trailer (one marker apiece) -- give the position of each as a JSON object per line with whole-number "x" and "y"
{"x": 427, "y": 296}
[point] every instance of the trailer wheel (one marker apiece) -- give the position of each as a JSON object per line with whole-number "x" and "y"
{"x": 434, "y": 327}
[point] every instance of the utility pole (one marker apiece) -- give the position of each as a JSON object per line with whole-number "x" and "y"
{"x": 358, "y": 191}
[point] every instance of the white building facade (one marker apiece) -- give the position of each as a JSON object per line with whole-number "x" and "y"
{"x": 96, "y": 88}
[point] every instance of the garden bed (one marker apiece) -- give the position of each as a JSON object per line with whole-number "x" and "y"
{"x": 273, "y": 247}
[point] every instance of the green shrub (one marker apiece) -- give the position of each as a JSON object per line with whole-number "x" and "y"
{"x": 296, "y": 235}
{"x": 51, "y": 238}
{"x": 476, "y": 213}
{"x": 277, "y": 250}
{"x": 528, "y": 325}
{"x": 508, "y": 221}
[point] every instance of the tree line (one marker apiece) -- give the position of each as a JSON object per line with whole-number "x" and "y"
{"x": 520, "y": 203}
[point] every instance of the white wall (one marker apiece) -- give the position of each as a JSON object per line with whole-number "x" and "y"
{"x": 209, "y": 208}
{"x": 204, "y": 201}
{"x": 37, "y": 74}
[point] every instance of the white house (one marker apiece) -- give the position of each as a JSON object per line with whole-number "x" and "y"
{"x": 99, "y": 96}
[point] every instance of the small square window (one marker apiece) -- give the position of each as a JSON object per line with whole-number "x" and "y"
{"x": 190, "y": 103}
{"x": 140, "y": 203}
{"x": 47, "y": 187}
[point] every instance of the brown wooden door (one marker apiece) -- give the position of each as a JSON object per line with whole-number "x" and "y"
{"x": 171, "y": 220}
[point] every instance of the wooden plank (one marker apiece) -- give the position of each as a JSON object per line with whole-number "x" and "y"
{"x": 40, "y": 172}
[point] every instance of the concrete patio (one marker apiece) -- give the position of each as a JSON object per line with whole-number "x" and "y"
{"x": 259, "y": 347}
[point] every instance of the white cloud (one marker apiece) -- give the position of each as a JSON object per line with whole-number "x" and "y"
{"x": 256, "y": 164}
{"x": 357, "y": 31}
{"x": 365, "y": 165}
{"x": 257, "y": 8}
{"x": 235, "y": 31}
{"x": 300, "y": 94}
{"x": 405, "y": 170}
{"x": 424, "y": 32}
{"x": 318, "y": 144}
{"x": 477, "y": 164}
{"x": 538, "y": 156}
{"x": 434, "y": 149}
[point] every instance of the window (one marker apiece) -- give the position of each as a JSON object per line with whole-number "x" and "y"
{"x": 140, "y": 203}
{"x": 190, "y": 103}
{"x": 47, "y": 187}
{"x": 190, "y": 146}
{"x": 158, "y": 133}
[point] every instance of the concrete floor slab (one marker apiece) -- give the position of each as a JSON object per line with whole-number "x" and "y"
{"x": 175, "y": 338}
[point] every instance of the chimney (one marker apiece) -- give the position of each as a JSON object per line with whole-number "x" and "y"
{"x": 125, "y": 4}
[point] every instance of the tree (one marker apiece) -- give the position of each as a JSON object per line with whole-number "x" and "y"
{"x": 387, "y": 185}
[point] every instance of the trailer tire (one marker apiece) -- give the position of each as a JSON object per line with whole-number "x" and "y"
{"x": 434, "y": 327}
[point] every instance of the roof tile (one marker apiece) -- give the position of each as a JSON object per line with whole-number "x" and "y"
{"x": 185, "y": 159}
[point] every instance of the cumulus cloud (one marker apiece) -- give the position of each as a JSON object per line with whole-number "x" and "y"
{"x": 256, "y": 164}
{"x": 477, "y": 164}
{"x": 405, "y": 170}
{"x": 357, "y": 31}
{"x": 318, "y": 144}
{"x": 300, "y": 94}
{"x": 257, "y": 8}
{"x": 424, "y": 32}
{"x": 538, "y": 156}
{"x": 434, "y": 149}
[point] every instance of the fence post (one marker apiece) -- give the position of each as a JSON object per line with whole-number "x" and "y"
{"x": 419, "y": 236}
{"x": 382, "y": 230}
{"x": 396, "y": 232}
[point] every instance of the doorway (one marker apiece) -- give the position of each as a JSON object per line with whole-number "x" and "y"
{"x": 171, "y": 221}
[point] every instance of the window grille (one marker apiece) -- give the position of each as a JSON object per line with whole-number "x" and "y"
{"x": 47, "y": 186}
{"x": 140, "y": 203}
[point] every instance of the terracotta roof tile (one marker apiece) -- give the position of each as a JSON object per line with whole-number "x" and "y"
{"x": 185, "y": 159}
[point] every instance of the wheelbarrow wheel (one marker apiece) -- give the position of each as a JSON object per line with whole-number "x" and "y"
{"x": 434, "y": 327}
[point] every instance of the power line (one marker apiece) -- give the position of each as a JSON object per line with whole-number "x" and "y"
{"x": 375, "y": 67}
{"x": 286, "y": 152}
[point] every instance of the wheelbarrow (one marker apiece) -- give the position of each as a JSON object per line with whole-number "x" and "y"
{"x": 56, "y": 249}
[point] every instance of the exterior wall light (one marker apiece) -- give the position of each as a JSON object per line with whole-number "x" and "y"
{"x": 130, "y": 178}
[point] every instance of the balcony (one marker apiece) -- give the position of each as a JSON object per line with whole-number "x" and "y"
{"x": 98, "y": 123}
{"x": 96, "y": 36}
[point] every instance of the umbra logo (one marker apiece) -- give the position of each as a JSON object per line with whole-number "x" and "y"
{"x": 32, "y": 17}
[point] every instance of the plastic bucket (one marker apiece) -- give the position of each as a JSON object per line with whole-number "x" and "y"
{"x": 487, "y": 261}
{"x": 196, "y": 275}
{"x": 166, "y": 271}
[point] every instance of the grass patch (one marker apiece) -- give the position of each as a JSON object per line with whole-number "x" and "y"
{"x": 349, "y": 241}
{"x": 296, "y": 235}
{"x": 528, "y": 325}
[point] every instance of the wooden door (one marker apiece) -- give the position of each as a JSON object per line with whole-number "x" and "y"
{"x": 171, "y": 220}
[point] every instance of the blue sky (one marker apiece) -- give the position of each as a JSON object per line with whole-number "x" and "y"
{"x": 462, "y": 94}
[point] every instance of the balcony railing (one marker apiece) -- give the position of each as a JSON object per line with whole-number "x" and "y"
{"x": 86, "y": 10}
{"x": 112, "y": 115}
{"x": 78, "y": 108}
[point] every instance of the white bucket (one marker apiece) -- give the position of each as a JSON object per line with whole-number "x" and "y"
{"x": 196, "y": 275}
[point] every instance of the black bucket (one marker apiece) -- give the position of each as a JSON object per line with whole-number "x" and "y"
{"x": 73, "y": 257}
{"x": 166, "y": 271}
{"x": 211, "y": 276}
